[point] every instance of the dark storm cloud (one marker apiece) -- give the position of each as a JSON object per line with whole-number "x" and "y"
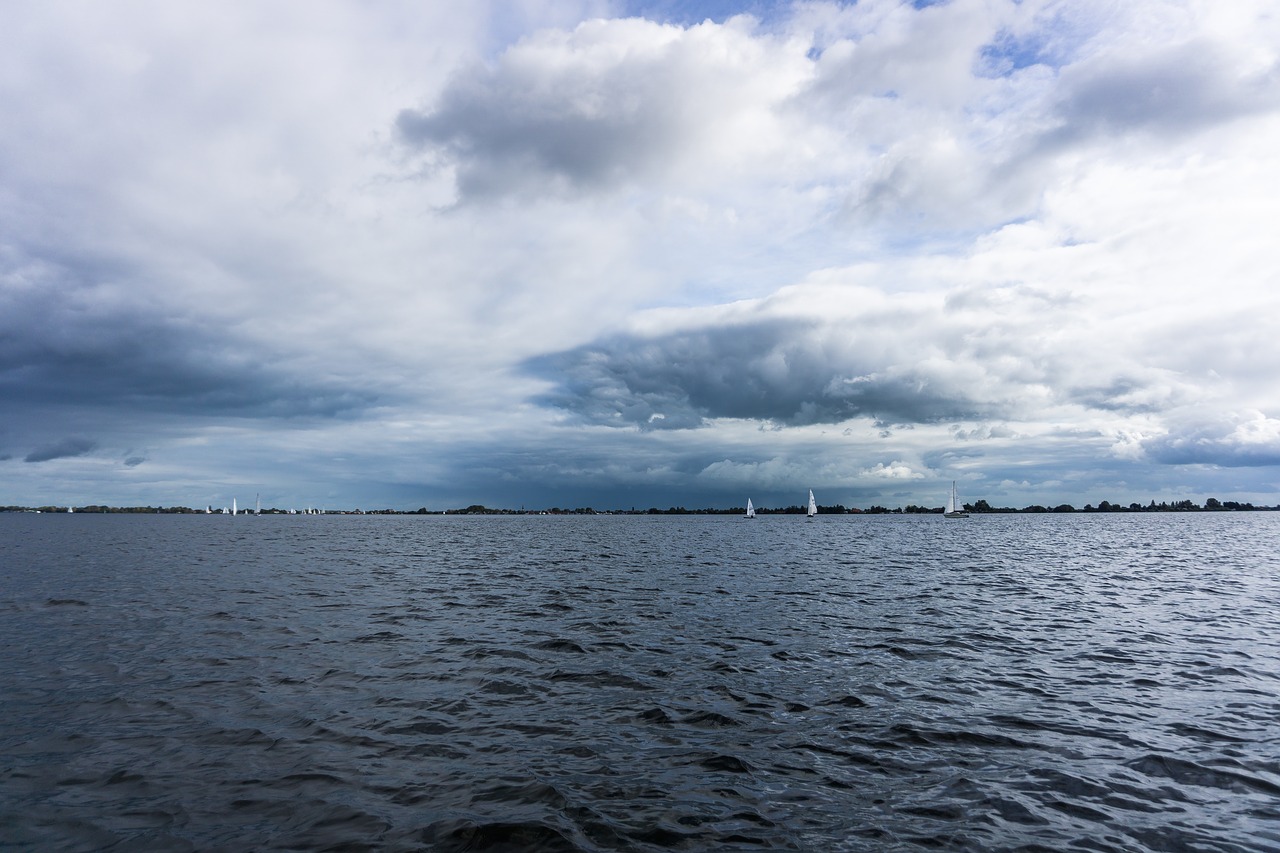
{"x": 128, "y": 376}
{"x": 61, "y": 343}
{"x": 134, "y": 461}
{"x": 62, "y": 449}
{"x": 785, "y": 371}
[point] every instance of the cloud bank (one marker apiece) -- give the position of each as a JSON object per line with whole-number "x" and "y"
{"x": 67, "y": 447}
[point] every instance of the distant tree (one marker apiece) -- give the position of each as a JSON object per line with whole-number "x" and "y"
{"x": 1064, "y": 508}
{"x": 1213, "y": 503}
{"x": 981, "y": 505}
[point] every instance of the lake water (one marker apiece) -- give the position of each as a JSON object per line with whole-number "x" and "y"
{"x": 1091, "y": 682}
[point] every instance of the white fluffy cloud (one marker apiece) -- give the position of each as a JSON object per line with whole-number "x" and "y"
{"x": 614, "y": 104}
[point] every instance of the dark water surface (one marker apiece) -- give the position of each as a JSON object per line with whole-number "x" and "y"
{"x": 1052, "y": 682}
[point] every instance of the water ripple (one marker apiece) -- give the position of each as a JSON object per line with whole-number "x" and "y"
{"x": 639, "y": 683}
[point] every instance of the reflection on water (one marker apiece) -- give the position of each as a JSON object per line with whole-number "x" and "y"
{"x": 640, "y": 683}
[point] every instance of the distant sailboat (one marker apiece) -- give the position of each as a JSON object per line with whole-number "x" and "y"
{"x": 233, "y": 507}
{"x": 751, "y": 511}
{"x": 813, "y": 506}
{"x": 257, "y": 505}
{"x": 954, "y": 509}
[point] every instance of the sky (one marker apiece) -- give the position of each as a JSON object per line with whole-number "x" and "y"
{"x": 588, "y": 253}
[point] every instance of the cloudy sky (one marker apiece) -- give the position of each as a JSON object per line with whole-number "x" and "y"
{"x": 610, "y": 253}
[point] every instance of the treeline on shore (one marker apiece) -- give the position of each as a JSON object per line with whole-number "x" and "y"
{"x": 977, "y": 507}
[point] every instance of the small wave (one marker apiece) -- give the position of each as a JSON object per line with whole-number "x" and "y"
{"x": 663, "y": 836}
{"x": 241, "y": 738}
{"x": 709, "y": 720}
{"x": 656, "y": 716}
{"x": 560, "y": 645}
{"x": 489, "y": 651}
{"x": 500, "y": 837}
{"x": 764, "y": 641}
{"x": 600, "y": 678}
{"x": 1190, "y": 773}
{"x": 947, "y": 812}
{"x": 123, "y": 777}
{"x": 1078, "y": 810}
{"x": 422, "y": 726}
{"x": 926, "y": 653}
{"x": 726, "y": 763}
{"x": 309, "y": 778}
{"x": 379, "y": 637}
{"x": 499, "y": 687}
{"x": 879, "y": 761}
{"x": 1200, "y": 733}
{"x": 910, "y": 735}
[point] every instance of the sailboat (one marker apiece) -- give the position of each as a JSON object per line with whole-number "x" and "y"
{"x": 233, "y": 506}
{"x": 751, "y": 511}
{"x": 257, "y": 505}
{"x": 813, "y": 506}
{"x": 954, "y": 509}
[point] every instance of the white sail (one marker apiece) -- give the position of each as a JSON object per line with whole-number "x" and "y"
{"x": 233, "y": 506}
{"x": 751, "y": 511}
{"x": 257, "y": 505}
{"x": 954, "y": 508}
{"x": 813, "y": 505}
